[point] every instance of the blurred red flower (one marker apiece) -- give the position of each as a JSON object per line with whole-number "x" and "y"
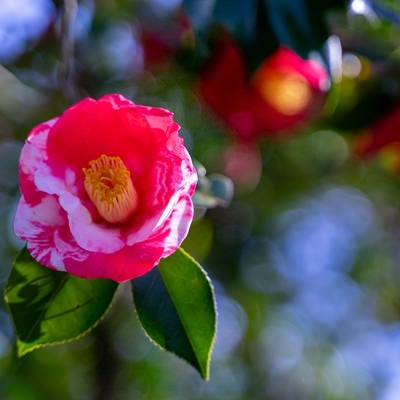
{"x": 382, "y": 139}
{"x": 161, "y": 42}
{"x": 284, "y": 91}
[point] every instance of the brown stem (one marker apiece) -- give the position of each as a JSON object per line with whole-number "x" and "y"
{"x": 66, "y": 73}
{"x": 106, "y": 364}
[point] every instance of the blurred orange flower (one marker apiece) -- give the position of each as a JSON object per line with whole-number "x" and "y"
{"x": 284, "y": 91}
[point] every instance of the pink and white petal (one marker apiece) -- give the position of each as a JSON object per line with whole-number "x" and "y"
{"x": 67, "y": 247}
{"x": 189, "y": 174}
{"x": 181, "y": 201}
{"x": 122, "y": 266}
{"x": 31, "y": 159}
{"x": 92, "y": 236}
{"x": 38, "y": 225}
{"x": 35, "y": 152}
{"x": 188, "y": 180}
{"x": 117, "y": 101}
{"x": 152, "y": 224}
{"x": 47, "y": 181}
{"x": 159, "y": 118}
{"x": 88, "y": 234}
{"x": 171, "y": 235}
{"x": 134, "y": 261}
{"x": 37, "y": 175}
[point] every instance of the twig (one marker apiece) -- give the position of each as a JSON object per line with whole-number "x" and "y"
{"x": 66, "y": 73}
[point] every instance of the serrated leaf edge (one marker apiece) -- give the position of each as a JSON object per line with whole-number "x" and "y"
{"x": 21, "y": 353}
{"x": 41, "y": 345}
{"x": 204, "y": 374}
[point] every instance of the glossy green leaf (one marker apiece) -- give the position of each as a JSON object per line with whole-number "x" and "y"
{"x": 237, "y": 15}
{"x": 300, "y": 24}
{"x": 50, "y": 307}
{"x": 176, "y": 307}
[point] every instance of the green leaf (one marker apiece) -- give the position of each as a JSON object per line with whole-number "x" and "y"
{"x": 50, "y": 307}
{"x": 176, "y": 307}
{"x": 200, "y": 238}
{"x": 237, "y": 15}
{"x": 199, "y": 12}
{"x": 300, "y": 24}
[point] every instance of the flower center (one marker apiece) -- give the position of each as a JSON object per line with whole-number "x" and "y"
{"x": 109, "y": 186}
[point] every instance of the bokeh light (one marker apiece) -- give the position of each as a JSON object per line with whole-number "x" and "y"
{"x": 22, "y": 22}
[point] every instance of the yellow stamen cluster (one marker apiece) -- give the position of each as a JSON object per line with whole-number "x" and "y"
{"x": 109, "y": 186}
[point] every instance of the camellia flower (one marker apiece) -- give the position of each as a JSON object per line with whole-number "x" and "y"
{"x": 284, "y": 91}
{"x": 106, "y": 189}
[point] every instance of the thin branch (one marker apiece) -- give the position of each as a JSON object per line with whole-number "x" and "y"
{"x": 66, "y": 73}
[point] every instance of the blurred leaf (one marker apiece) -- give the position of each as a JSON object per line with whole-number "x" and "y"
{"x": 51, "y": 307}
{"x": 221, "y": 187}
{"x": 385, "y": 9}
{"x": 199, "y": 240}
{"x": 204, "y": 200}
{"x": 219, "y": 192}
{"x": 237, "y": 15}
{"x": 298, "y": 25}
{"x": 215, "y": 190}
{"x": 199, "y": 12}
{"x": 176, "y": 307}
{"x": 365, "y": 111}
{"x": 200, "y": 169}
{"x": 301, "y": 24}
